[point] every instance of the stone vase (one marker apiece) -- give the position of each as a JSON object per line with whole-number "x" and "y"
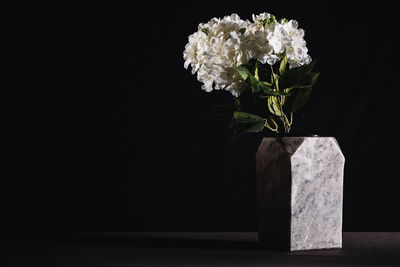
{"x": 300, "y": 193}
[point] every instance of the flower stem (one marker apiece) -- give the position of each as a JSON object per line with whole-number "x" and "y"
{"x": 284, "y": 120}
{"x": 285, "y": 125}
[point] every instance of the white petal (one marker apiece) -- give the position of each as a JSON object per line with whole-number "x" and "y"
{"x": 187, "y": 63}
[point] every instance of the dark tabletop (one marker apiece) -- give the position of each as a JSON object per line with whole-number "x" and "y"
{"x": 192, "y": 249}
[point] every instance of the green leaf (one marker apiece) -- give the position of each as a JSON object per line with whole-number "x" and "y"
{"x": 308, "y": 81}
{"x": 237, "y": 103}
{"x": 268, "y": 21}
{"x": 254, "y": 83}
{"x": 256, "y": 71}
{"x": 269, "y": 91}
{"x": 244, "y": 117}
{"x": 282, "y": 66}
{"x": 300, "y": 98}
{"x": 273, "y": 18}
{"x": 242, "y": 30}
{"x": 257, "y": 86}
{"x": 243, "y": 71}
{"x": 247, "y": 128}
{"x": 312, "y": 78}
{"x": 205, "y": 30}
{"x": 291, "y": 77}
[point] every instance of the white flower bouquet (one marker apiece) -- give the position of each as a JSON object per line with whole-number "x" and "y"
{"x": 264, "y": 64}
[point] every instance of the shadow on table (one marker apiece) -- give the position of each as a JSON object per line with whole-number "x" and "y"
{"x": 101, "y": 239}
{"x": 232, "y": 248}
{"x": 236, "y": 241}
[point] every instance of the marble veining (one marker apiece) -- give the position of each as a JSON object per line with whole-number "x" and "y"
{"x": 300, "y": 192}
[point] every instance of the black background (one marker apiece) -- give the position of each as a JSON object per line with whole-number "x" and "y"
{"x": 113, "y": 134}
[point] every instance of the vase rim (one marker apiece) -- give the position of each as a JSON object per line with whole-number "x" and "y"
{"x": 298, "y": 135}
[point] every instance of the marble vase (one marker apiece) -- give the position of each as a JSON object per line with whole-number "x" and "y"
{"x": 300, "y": 193}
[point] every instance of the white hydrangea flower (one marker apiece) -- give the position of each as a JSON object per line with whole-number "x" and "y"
{"x": 261, "y": 49}
{"x": 194, "y": 50}
{"x": 222, "y": 44}
{"x": 213, "y": 52}
{"x": 257, "y": 25}
{"x": 277, "y": 38}
{"x": 262, "y": 16}
{"x": 289, "y": 39}
{"x": 295, "y": 45}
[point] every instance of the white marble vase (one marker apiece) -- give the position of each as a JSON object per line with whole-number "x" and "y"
{"x": 300, "y": 193}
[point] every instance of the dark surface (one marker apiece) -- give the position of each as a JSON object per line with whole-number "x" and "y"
{"x": 188, "y": 249}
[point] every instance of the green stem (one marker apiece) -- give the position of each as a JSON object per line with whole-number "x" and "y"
{"x": 285, "y": 126}
{"x": 266, "y": 124}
